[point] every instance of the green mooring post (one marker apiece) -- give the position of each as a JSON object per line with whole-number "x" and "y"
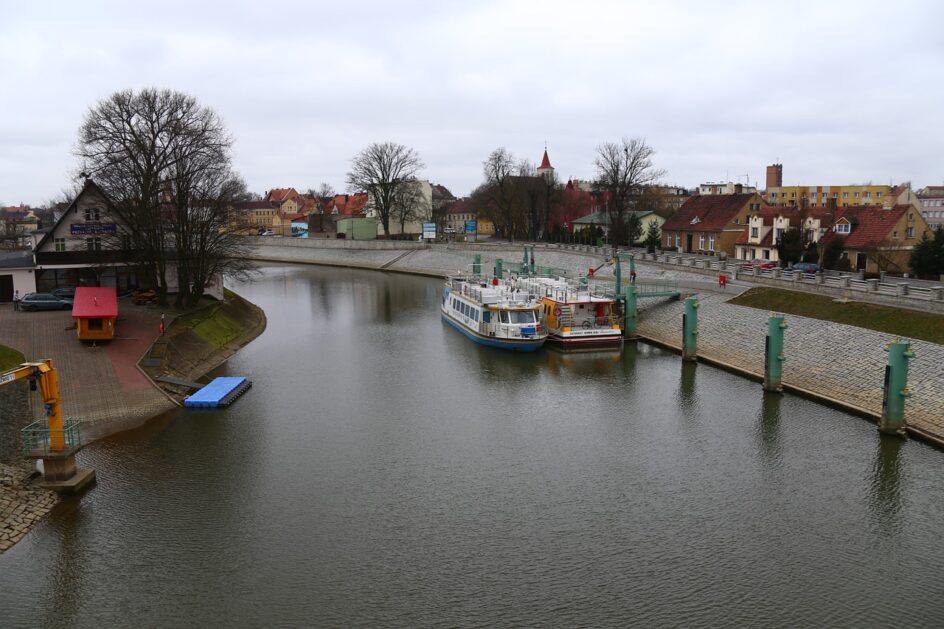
{"x": 477, "y": 264}
{"x": 630, "y": 314}
{"x": 896, "y": 387}
{"x": 690, "y": 330}
{"x": 526, "y": 264}
{"x": 773, "y": 354}
{"x": 618, "y": 277}
{"x": 531, "y": 266}
{"x": 498, "y": 268}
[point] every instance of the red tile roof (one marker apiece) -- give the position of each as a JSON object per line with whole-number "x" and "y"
{"x": 95, "y": 303}
{"x": 870, "y": 224}
{"x": 280, "y": 195}
{"x": 348, "y": 204}
{"x": 713, "y": 212}
{"x": 545, "y": 163}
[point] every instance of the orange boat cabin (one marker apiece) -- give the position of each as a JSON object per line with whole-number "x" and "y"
{"x": 95, "y": 311}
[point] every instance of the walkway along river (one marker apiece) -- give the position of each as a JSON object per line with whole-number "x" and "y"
{"x": 385, "y": 471}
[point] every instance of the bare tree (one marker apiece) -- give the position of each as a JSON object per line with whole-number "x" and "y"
{"x": 323, "y": 196}
{"x": 624, "y": 169}
{"x": 382, "y": 169}
{"x": 409, "y": 204}
{"x": 164, "y": 161}
{"x": 496, "y": 198}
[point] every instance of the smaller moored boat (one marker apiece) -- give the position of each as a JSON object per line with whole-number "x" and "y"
{"x": 494, "y": 313}
{"x": 579, "y": 316}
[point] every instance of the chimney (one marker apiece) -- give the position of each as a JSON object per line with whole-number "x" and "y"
{"x": 774, "y": 176}
{"x": 738, "y": 188}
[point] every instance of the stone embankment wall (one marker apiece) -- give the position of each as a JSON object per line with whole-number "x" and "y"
{"x": 839, "y": 364}
{"x": 14, "y": 415}
{"x": 21, "y": 504}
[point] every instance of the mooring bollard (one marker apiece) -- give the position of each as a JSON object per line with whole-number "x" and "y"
{"x": 773, "y": 354}
{"x": 896, "y": 387}
{"x": 498, "y": 268}
{"x": 690, "y": 330}
{"x": 630, "y": 314}
{"x": 618, "y": 277}
{"x": 477, "y": 265}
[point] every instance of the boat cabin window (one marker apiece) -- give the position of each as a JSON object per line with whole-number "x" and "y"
{"x": 522, "y": 316}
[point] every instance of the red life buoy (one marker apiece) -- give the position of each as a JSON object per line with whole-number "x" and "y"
{"x": 557, "y": 312}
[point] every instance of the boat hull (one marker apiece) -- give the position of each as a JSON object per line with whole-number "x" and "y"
{"x": 610, "y": 341}
{"x": 515, "y": 345}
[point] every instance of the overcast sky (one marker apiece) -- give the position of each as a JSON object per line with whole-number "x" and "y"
{"x": 839, "y": 92}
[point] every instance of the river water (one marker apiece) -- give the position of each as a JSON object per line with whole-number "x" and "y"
{"x": 385, "y": 471}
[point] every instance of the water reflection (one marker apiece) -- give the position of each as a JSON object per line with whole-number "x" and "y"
{"x": 687, "y": 396}
{"x": 885, "y": 502}
{"x": 768, "y": 431}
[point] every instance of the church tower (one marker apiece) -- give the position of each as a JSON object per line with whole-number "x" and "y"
{"x": 545, "y": 169}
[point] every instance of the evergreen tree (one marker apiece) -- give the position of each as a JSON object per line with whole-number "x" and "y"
{"x": 653, "y": 236}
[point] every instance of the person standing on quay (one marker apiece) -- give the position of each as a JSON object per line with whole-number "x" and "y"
{"x": 16, "y": 300}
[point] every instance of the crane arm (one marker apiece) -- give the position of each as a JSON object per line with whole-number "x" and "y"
{"x": 48, "y": 379}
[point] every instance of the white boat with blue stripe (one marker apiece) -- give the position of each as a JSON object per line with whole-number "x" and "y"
{"x": 493, "y": 313}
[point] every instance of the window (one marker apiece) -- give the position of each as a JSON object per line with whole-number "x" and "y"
{"x": 895, "y": 234}
{"x": 93, "y": 244}
{"x": 766, "y": 254}
{"x": 842, "y": 228}
{"x": 868, "y": 194}
{"x": 668, "y": 241}
{"x": 779, "y": 233}
{"x": 92, "y": 214}
{"x": 835, "y": 195}
{"x": 754, "y": 232}
{"x": 910, "y": 232}
{"x": 701, "y": 242}
{"x": 857, "y": 195}
{"x": 878, "y": 195}
{"x": 845, "y": 195}
{"x": 94, "y": 324}
{"x": 59, "y": 243}
{"x": 678, "y": 240}
{"x": 773, "y": 195}
{"x": 910, "y": 217}
{"x": 793, "y": 195}
{"x": 711, "y": 243}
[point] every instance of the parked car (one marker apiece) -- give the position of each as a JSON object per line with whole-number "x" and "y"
{"x": 67, "y": 292}
{"x": 764, "y": 264}
{"x": 806, "y": 267}
{"x": 44, "y": 301}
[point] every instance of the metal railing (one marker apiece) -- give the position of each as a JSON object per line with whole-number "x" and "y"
{"x": 38, "y": 439}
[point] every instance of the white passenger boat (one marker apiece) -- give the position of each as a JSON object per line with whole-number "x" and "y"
{"x": 494, "y": 313}
{"x": 579, "y": 316}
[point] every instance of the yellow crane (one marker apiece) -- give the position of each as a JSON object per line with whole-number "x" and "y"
{"x": 52, "y": 440}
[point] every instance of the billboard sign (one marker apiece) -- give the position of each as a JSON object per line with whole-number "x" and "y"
{"x": 429, "y": 230}
{"x": 92, "y": 229}
{"x": 470, "y": 226}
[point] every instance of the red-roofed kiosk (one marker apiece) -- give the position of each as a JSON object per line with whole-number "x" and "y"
{"x": 95, "y": 311}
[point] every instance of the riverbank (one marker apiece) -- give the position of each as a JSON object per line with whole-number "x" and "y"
{"x": 103, "y": 385}
{"x": 836, "y": 364}
{"x": 195, "y": 343}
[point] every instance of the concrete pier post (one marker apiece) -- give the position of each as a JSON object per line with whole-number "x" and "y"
{"x": 690, "y": 330}
{"x": 630, "y": 313}
{"x": 477, "y": 265}
{"x": 896, "y": 388}
{"x": 618, "y": 277}
{"x": 498, "y": 268}
{"x": 531, "y": 265}
{"x": 773, "y": 354}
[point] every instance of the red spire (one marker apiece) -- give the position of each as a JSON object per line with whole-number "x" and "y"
{"x": 545, "y": 163}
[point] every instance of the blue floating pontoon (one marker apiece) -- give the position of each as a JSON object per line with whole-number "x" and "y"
{"x": 220, "y": 392}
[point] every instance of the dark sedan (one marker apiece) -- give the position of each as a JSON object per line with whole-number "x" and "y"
{"x": 44, "y": 301}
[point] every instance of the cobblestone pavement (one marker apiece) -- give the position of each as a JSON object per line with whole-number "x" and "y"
{"x": 21, "y": 505}
{"x": 99, "y": 384}
{"x": 840, "y": 362}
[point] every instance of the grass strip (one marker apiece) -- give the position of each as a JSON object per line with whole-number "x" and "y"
{"x": 10, "y": 358}
{"x": 909, "y": 324}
